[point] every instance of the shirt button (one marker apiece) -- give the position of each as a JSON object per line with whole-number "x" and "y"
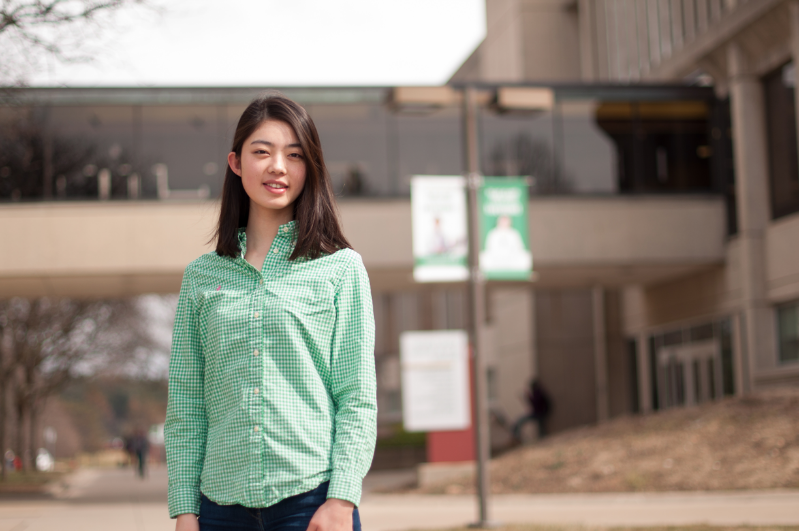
{"x": 257, "y": 315}
{"x": 255, "y": 354}
{"x": 255, "y": 390}
{"x": 257, "y": 428}
{"x": 275, "y": 251}
{"x": 261, "y": 281}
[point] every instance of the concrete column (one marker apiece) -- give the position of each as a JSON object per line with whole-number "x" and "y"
{"x": 533, "y": 337}
{"x": 503, "y": 48}
{"x": 741, "y": 367}
{"x": 794, "y": 21}
{"x": 512, "y": 323}
{"x": 600, "y": 355}
{"x": 644, "y": 381}
{"x": 588, "y": 40}
{"x": 752, "y": 200}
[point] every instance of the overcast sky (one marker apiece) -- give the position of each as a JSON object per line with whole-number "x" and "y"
{"x": 273, "y": 43}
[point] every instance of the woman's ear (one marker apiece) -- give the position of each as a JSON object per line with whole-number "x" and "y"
{"x": 234, "y": 162}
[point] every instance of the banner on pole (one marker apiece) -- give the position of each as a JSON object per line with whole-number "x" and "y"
{"x": 438, "y": 207}
{"x": 504, "y": 239}
{"x": 435, "y": 380}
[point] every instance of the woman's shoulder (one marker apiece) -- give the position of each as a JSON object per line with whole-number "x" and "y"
{"x": 346, "y": 259}
{"x": 209, "y": 263}
{"x": 349, "y": 265}
{"x": 348, "y": 256}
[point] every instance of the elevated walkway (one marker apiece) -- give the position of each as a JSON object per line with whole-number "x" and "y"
{"x": 111, "y": 249}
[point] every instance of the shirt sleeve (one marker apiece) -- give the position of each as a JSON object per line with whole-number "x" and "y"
{"x": 354, "y": 388}
{"x": 186, "y": 423}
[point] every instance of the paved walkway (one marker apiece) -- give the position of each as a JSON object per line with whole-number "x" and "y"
{"x": 115, "y": 499}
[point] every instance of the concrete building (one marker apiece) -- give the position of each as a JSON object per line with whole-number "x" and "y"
{"x": 745, "y": 50}
{"x": 663, "y": 215}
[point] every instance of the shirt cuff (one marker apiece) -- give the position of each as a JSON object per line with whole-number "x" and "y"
{"x": 184, "y": 502}
{"x": 345, "y": 486}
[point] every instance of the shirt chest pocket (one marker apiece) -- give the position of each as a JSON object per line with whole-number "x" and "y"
{"x": 228, "y": 323}
{"x": 307, "y": 307}
{"x": 309, "y": 303}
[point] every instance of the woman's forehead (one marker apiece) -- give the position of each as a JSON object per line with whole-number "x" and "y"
{"x": 274, "y": 132}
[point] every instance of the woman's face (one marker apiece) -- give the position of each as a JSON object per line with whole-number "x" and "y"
{"x": 271, "y": 167}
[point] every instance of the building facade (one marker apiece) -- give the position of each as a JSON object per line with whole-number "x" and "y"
{"x": 663, "y": 211}
{"x": 744, "y": 50}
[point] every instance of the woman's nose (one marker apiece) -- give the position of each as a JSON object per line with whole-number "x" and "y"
{"x": 278, "y": 164}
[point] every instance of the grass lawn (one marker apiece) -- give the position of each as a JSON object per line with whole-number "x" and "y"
{"x": 29, "y": 482}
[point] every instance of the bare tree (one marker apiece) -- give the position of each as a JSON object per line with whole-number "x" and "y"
{"x": 31, "y": 29}
{"x": 45, "y": 342}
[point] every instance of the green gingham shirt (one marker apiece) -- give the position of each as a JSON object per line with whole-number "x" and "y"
{"x": 271, "y": 379}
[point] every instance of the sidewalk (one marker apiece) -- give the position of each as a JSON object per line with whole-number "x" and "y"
{"x": 102, "y": 500}
{"x": 396, "y": 512}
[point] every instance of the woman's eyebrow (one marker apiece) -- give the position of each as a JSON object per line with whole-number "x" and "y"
{"x": 270, "y": 144}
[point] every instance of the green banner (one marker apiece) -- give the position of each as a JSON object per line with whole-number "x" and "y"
{"x": 504, "y": 239}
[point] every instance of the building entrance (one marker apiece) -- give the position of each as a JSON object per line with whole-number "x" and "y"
{"x": 689, "y": 374}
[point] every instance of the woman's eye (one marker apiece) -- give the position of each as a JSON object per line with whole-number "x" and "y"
{"x": 296, "y": 155}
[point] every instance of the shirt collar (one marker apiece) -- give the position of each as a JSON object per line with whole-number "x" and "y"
{"x": 287, "y": 230}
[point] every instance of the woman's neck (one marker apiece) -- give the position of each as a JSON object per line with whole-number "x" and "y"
{"x": 262, "y": 227}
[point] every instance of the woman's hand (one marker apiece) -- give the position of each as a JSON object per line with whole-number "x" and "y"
{"x": 187, "y": 522}
{"x": 333, "y": 515}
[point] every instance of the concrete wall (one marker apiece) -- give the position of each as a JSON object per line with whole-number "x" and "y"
{"x": 551, "y": 38}
{"x": 100, "y": 249}
{"x": 717, "y": 289}
{"x": 526, "y": 40}
{"x": 125, "y": 248}
{"x": 501, "y": 53}
{"x": 782, "y": 259}
{"x": 565, "y": 355}
{"x": 511, "y": 321}
{"x": 621, "y": 377}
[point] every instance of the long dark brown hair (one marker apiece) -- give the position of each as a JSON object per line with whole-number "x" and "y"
{"x": 318, "y": 229}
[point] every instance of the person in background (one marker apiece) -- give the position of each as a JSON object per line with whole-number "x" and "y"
{"x": 140, "y": 448}
{"x": 538, "y": 403}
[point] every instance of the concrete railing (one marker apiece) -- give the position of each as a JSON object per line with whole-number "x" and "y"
{"x": 127, "y": 248}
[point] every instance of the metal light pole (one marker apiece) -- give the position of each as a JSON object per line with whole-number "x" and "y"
{"x": 477, "y": 299}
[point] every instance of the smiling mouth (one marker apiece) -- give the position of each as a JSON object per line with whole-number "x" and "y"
{"x": 276, "y": 186}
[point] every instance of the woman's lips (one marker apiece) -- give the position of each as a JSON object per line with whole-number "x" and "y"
{"x": 280, "y": 189}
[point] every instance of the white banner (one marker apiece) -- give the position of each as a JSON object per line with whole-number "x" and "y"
{"x": 435, "y": 380}
{"x": 440, "y": 244}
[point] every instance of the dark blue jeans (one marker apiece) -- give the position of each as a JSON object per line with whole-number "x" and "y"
{"x": 291, "y": 514}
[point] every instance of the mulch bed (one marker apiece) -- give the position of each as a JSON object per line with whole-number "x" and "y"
{"x": 750, "y": 442}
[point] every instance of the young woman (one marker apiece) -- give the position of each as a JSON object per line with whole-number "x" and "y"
{"x": 271, "y": 419}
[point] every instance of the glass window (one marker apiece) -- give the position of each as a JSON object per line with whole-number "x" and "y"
{"x": 782, "y": 150}
{"x": 672, "y": 338}
{"x": 356, "y": 144}
{"x": 727, "y": 361}
{"x": 632, "y": 356}
{"x": 189, "y": 143}
{"x": 108, "y": 137}
{"x": 588, "y": 153}
{"x": 427, "y": 144}
{"x": 522, "y": 144}
{"x": 662, "y": 146}
{"x": 62, "y": 152}
{"x": 589, "y": 143}
{"x": 654, "y": 345}
{"x": 701, "y": 332}
{"x": 788, "y": 331}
